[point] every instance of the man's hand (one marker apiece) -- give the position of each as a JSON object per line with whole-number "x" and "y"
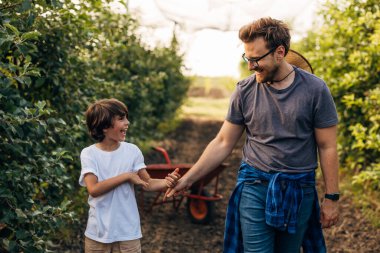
{"x": 182, "y": 186}
{"x": 329, "y": 213}
{"x": 172, "y": 178}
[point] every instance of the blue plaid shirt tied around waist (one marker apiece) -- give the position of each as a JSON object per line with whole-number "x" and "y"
{"x": 283, "y": 201}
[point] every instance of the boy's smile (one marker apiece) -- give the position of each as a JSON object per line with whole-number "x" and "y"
{"x": 117, "y": 132}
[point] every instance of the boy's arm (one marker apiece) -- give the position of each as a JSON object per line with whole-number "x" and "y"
{"x": 154, "y": 184}
{"x": 96, "y": 189}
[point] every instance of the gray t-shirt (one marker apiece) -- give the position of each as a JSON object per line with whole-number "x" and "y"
{"x": 280, "y": 123}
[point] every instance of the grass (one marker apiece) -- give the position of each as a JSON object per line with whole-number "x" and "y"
{"x": 205, "y": 108}
{"x": 364, "y": 199}
{"x": 221, "y": 82}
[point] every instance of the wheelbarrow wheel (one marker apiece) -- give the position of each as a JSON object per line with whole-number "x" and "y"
{"x": 198, "y": 210}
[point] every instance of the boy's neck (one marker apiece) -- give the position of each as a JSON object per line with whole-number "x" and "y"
{"x": 107, "y": 146}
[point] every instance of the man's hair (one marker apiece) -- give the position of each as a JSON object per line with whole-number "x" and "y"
{"x": 273, "y": 31}
{"x": 100, "y": 115}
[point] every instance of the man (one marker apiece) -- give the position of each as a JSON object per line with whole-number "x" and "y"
{"x": 289, "y": 117}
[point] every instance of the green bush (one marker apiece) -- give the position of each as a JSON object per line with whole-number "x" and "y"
{"x": 56, "y": 58}
{"x": 344, "y": 51}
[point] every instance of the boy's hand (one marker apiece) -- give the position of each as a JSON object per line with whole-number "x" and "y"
{"x": 135, "y": 179}
{"x": 182, "y": 186}
{"x": 172, "y": 178}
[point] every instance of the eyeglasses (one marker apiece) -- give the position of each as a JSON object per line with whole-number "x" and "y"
{"x": 255, "y": 60}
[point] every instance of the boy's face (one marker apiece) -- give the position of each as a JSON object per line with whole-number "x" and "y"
{"x": 118, "y": 130}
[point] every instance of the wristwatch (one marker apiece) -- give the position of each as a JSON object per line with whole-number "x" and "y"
{"x": 332, "y": 196}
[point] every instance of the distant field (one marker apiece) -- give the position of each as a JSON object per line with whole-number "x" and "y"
{"x": 208, "y": 98}
{"x": 222, "y": 82}
{"x": 205, "y": 108}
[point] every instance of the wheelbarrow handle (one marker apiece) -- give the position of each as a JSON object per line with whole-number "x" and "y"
{"x": 164, "y": 153}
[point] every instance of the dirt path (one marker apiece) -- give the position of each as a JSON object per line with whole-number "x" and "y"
{"x": 168, "y": 231}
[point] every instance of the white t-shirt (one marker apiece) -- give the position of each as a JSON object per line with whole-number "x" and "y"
{"x": 112, "y": 216}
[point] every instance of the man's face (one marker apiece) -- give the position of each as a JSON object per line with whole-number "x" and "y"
{"x": 261, "y": 60}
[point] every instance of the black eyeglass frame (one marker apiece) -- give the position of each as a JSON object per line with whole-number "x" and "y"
{"x": 256, "y": 60}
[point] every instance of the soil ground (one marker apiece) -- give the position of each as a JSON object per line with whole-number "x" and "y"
{"x": 169, "y": 231}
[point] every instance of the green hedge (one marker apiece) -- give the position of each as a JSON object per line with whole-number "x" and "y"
{"x": 345, "y": 52}
{"x": 56, "y": 58}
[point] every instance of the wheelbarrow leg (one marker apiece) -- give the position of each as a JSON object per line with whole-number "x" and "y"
{"x": 176, "y": 204}
{"x": 216, "y": 185}
{"x": 155, "y": 201}
{"x": 140, "y": 198}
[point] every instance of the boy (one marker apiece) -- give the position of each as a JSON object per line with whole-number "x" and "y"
{"x": 110, "y": 169}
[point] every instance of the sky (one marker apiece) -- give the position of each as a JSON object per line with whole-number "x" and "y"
{"x": 207, "y": 30}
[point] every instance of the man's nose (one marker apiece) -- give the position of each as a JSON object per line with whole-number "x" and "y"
{"x": 253, "y": 66}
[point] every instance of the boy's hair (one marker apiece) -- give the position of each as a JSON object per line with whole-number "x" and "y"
{"x": 273, "y": 31}
{"x": 100, "y": 115}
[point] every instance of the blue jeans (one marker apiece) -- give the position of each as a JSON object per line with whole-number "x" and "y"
{"x": 257, "y": 235}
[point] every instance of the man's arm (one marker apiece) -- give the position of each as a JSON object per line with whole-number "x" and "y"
{"x": 328, "y": 157}
{"x": 214, "y": 154}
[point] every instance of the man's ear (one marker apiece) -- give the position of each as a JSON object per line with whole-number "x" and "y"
{"x": 280, "y": 53}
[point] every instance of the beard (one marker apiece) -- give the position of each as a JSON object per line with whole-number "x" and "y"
{"x": 266, "y": 75}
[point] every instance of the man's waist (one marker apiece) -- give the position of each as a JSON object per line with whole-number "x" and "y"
{"x": 280, "y": 167}
{"x": 282, "y": 183}
{"x": 250, "y": 173}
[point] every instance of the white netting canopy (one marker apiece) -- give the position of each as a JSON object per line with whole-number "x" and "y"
{"x": 207, "y": 29}
{"x": 223, "y": 15}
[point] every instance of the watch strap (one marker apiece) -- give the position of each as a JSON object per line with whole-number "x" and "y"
{"x": 332, "y": 196}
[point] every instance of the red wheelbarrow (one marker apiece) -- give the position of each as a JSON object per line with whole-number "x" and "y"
{"x": 200, "y": 203}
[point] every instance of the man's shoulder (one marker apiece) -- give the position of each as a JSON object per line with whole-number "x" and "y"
{"x": 311, "y": 83}
{"x": 247, "y": 82}
{"x": 311, "y": 80}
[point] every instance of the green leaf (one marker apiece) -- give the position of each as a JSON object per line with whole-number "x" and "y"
{"x": 61, "y": 121}
{"x": 26, "y": 5}
{"x": 20, "y": 213}
{"x": 30, "y": 35}
{"x": 40, "y": 104}
{"x": 40, "y": 81}
{"x": 31, "y": 19}
{"x": 6, "y": 39}
{"x": 22, "y": 234}
{"x": 65, "y": 204}
{"x": 12, "y": 246}
{"x": 25, "y": 49}
{"x": 27, "y": 80}
{"x": 36, "y": 213}
{"x": 12, "y": 28}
